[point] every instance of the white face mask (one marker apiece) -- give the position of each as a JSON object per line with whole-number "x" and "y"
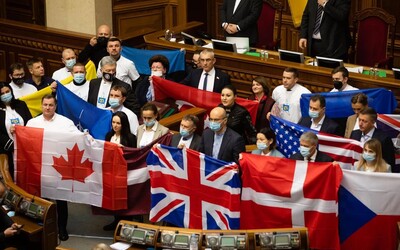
{"x": 156, "y": 73}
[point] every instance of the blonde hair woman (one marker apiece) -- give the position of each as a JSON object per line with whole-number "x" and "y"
{"x": 371, "y": 160}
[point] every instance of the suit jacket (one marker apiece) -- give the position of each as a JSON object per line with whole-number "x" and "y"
{"x": 328, "y": 126}
{"x": 130, "y": 101}
{"x": 335, "y": 34}
{"x": 220, "y": 81}
{"x": 246, "y": 16}
{"x": 321, "y": 157}
{"x": 232, "y": 145}
{"x": 160, "y": 131}
{"x": 388, "y": 151}
{"x": 351, "y": 122}
{"x": 195, "y": 144}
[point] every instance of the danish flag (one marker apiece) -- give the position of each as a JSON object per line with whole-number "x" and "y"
{"x": 192, "y": 190}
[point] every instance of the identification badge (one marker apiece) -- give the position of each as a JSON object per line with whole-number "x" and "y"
{"x": 15, "y": 121}
{"x": 101, "y": 100}
{"x": 286, "y": 107}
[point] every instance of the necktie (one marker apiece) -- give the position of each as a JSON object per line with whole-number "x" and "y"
{"x": 318, "y": 19}
{"x": 205, "y": 81}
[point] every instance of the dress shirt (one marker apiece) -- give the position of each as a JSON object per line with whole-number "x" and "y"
{"x": 148, "y": 135}
{"x": 186, "y": 141}
{"x": 217, "y": 144}
{"x": 318, "y": 125}
{"x": 210, "y": 80}
{"x": 311, "y": 158}
{"x": 57, "y": 123}
{"x": 104, "y": 92}
{"x": 366, "y": 137}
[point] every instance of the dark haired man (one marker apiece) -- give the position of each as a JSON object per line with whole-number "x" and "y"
{"x": 18, "y": 85}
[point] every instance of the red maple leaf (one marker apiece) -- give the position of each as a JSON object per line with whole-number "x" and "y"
{"x": 73, "y": 169}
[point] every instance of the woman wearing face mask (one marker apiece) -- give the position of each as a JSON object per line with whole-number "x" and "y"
{"x": 239, "y": 118}
{"x": 150, "y": 130}
{"x": 371, "y": 159}
{"x": 12, "y": 112}
{"x": 266, "y": 143}
{"x": 120, "y": 133}
{"x": 260, "y": 93}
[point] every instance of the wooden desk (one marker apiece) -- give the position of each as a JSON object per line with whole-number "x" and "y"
{"x": 243, "y": 68}
{"x": 173, "y": 122}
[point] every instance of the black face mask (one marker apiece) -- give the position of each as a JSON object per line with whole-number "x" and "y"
{"x": 108, "y": 77}
{"x": 337, "y": 84}
{"x": 18, "y": 81}
{"x": 102, "y": 41}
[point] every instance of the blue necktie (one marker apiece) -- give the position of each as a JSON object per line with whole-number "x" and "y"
{"x": 318, "y": 19}
{"x": 205, "y": 81}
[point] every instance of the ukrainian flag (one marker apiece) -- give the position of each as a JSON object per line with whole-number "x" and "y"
{"x": 297, "y": 8}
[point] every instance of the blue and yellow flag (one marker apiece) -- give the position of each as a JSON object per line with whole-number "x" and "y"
{"x": 297, "y": 8}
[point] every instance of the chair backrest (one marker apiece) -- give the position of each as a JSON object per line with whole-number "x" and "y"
{"x": 372, "y": 28}
{"x": 266, "y": 23}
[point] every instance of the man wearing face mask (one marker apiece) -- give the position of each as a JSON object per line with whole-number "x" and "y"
{"x": 219, "y": 141}
{"x": 99, "y": 89}
{"x": 79, "y": 86}
{"x": 187, "y": 138}
{"x": 195, "y": 63}
{"x": 18, "y": 85}
{"x": 317, "y": 119}
{"x": 340, "y": 76}
{"x": 116, "y": 100}
{"x": 308, "y": 149}
{"x": 96, "y": 49}
{"x": 69, "y": 60}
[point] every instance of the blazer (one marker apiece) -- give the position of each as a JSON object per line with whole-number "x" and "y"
{"x": 246, "y": 16}
{"x": 388, "y": 151}
{"x": 232, "y": 145}
{"x": 334, "y": 29}
{"x": 274, "y": 152}
{"x": 220, "y": 81}
{"x": 351, "y": 122}
{"x": 130, "y": 101}
{"x": 160, "y": 131}
{"x": 328, "y": 126}
{"x": 195, "y": 144}
{"x": 130, "y": 141}
{"x": 264, "y": 106}
{"x": 321, "y": 157}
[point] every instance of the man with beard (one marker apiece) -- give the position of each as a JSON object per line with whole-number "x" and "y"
{"x": 18, "y": 85}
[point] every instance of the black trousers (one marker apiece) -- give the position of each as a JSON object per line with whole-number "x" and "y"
{"x": 62, "y": 215}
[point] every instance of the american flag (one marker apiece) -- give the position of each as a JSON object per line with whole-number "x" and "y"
{"x": 391, "y": 125}
{"x": 342, "y": 150}
{"x": 192, "y": 190}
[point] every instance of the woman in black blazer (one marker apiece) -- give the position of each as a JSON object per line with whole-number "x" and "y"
{"x": 12, "y": 112}
{"x": 120, "y": 132}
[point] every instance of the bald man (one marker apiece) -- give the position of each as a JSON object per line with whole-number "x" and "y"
{"x": 219, "y": 141}
{"x": 68, "y": 58}
{"x": 96, "y": 49}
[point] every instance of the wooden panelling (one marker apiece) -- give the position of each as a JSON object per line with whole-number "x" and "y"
{"x": 28, "y": 11}
{"x": 3, "y": 65}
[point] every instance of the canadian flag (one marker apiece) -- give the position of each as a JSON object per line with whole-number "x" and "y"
{"x": 70, "y": 166}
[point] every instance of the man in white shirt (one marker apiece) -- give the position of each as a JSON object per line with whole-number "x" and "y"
{"x": 79, "y": 86}
{"x": 116, "y": 100}
{"x": 50, "y": 120}
{"x": 126, "y": 70}
{"x": 18, "y": 85}
{"x": 287, "y": 96}
{"x": 69, "y": 59}
{"x": 340, "y": 76}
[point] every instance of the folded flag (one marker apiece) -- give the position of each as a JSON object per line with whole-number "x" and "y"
{"x": 199, "y": 98}
{"x": 297, "y": 9}
{"x": 83, "y": 114}
{"x": 69, "y": 166}
{"x": 338, "y": 104}
{"x": 192, "y": 190}
{"x": 369, "y": 210}
{"x": 283, "y": 193}
{"x": 342, "y": 150}
{"x": 141, "y": 58}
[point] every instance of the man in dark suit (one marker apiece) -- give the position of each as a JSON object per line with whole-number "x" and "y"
{"x": 239, "y": 18}
{"x": 367, "y": 119}
{"x": 99, "y": 89}
{"x": 219, "y": 141}
{"x": 309, "y": 151}
{"x": 317, "y": 119}
{"x": 325, "y": 29}
{"x": 187, "y": 136}
{"x": 208, "y": 78}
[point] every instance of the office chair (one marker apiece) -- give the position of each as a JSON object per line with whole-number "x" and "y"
{"x": 266, "y": 24}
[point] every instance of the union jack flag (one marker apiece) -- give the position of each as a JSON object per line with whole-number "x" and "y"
{"x": 342, "y": 150}
{"x": 391, "y": 125}
{"x": 192, "y": 190}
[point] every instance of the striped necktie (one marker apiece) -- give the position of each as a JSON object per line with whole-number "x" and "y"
{"x": 318, "y": 19}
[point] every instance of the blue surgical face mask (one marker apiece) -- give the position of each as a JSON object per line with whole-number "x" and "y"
{"x": 150, "y": 123}
{"x": 114, "y": 102}
{"x": 79, "y": 77}
{"x": 215, "y": 126}
{"x": 368, "y": 157}
{"x": 262, "y": 145}
{"x": 6, "y": 98}
{"x": 184, "y": 132}
{"x": 70, "y": 63}
{"x": 313, "y": 114}
{"x": 304, "y": 151}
